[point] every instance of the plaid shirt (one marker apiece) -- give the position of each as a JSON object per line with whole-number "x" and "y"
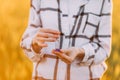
{"x": 84, "y": 24}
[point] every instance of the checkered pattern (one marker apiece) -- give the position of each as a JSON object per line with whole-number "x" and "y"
{"x": 83, "y": 24}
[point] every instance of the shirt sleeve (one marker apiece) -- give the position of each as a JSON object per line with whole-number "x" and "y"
{"x": 98, "y": 50}
{"x": 34, "y": 25}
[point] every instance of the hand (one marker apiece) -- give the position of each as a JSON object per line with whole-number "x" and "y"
{"x": 62, "y": 56}
{"x": 74, "y": 53}
{"x": 42, "y": 36}
{"x": 69, "y": 55}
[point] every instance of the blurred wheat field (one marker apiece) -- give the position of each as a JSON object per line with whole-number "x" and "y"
{"x": 14, "y": 65}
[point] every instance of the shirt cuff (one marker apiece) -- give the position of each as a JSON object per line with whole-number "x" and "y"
{"x": 89, "y": 51}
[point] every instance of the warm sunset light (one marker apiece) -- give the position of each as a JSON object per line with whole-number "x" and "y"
{"x": 14, "y": 65}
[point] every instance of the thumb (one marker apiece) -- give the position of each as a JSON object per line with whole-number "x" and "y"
{"x": 66, "y": 51}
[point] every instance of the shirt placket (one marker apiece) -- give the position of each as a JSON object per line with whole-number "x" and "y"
{"x": 65, "y": 22}
{"x": 70, "y": 14}
{"x": 64, "y": 16}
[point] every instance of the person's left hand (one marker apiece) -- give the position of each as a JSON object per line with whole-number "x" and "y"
{"x": 69, "y": 55}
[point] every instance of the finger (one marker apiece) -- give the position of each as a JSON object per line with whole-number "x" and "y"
{"x": 40, "y": 44}
{"x": 47, "y": 35}
{"x": 57, "y": 50}
{"x": 66, "y": 51}
{"x": 41, "y": 39}
{"x": 66, "y": 59}
{"x": 63, "y": 57}
{"x": 50, "y": 31}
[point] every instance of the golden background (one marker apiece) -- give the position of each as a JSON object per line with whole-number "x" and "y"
{"x": 14, "y": 65}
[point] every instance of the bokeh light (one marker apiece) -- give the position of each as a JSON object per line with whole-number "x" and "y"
{"x": 14, "y": 65}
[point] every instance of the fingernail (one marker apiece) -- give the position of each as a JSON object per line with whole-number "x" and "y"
{"x": 57, "y": 50}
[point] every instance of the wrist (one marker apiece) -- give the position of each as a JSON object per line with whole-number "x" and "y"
{"x": 79, "y": 51}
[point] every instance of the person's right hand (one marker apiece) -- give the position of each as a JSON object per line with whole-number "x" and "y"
{"x": 42, "y": 36}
